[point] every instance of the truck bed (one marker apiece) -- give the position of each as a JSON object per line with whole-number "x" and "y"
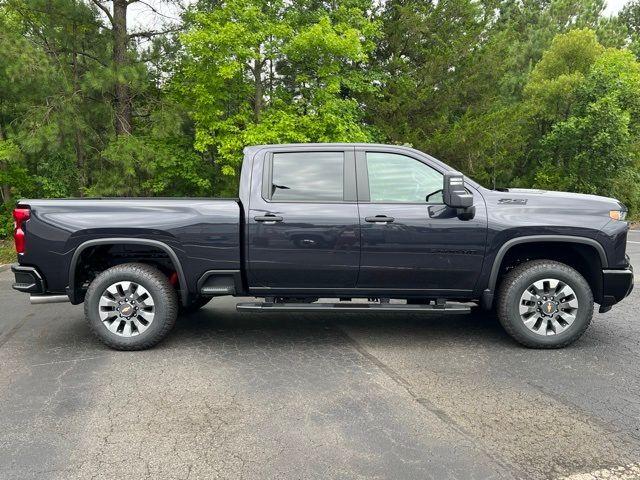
{"x": 204, "y": 233}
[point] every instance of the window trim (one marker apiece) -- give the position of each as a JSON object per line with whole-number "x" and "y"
{"x": 349, "y": 188}
{"x": 362, "y": 173}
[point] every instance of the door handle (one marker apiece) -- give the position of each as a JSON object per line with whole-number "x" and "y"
{"x": 268, "y": 218}
{"x": 379, "y": 219}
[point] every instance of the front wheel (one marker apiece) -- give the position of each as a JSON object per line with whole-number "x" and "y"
{"x": 544, "y": 304}
{"x": 131, "y": 306}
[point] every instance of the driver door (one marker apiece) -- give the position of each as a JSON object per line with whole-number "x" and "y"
{"x": 411, "y": 241}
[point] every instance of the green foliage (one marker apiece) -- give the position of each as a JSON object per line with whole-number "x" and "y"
{"x": 527, "y": 94}
{"x": 158, "y": 162}
{"x": 6, "y": 220}
{"x": 630, "y": 18}
{"x": 140, "y": 165}
{"x": 259, "y": 72}
{"x": 13, "y": 171}
{"x": 595, "y": 145}
{"x": 485, "y": 146}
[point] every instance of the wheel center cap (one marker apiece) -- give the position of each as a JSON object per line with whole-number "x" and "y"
{"x": 549, "y": 308}
{"x": 126, "y": 310}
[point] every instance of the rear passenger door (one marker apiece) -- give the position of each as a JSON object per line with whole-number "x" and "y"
{"x": 304, "y": 231}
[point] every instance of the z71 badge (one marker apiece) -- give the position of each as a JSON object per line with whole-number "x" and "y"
{"x": 512, "y": 201}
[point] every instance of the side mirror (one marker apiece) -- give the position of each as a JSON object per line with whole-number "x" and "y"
{"x": 453, "y": 192}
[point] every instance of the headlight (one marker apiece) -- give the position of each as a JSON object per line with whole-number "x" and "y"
{"x": 618, "y": 215}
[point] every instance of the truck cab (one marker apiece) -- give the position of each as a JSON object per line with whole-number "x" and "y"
{"x": 347, "y": 220}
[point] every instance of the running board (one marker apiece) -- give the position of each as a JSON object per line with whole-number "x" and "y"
{"x": 42, "y": 299}
{"x": 351, "y": 307}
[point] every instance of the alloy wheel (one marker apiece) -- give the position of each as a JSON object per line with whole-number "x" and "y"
{"x": 126, "y": 308}
{"x": 548, "y": 306}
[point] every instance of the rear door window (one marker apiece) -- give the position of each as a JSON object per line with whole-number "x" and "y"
{"x": 307, "y": 177}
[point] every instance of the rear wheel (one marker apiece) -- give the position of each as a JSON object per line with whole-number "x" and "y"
{"x": 131, "y": 306}
{"x": 545, "y": 304}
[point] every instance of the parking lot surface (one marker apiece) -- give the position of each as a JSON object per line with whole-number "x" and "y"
{"x": 259, "y": 396}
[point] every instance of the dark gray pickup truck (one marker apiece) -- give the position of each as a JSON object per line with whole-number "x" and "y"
{"x": 319, "y": 225}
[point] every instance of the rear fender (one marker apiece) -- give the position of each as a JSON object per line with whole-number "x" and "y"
{"x": 72, "y": 290}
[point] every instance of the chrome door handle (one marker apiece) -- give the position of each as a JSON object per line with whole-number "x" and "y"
{"x": 267, "y": 218}
{"x": 379, "y": 219}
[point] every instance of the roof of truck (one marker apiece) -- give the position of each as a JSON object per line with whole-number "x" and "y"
{"x": 253, "y": 149}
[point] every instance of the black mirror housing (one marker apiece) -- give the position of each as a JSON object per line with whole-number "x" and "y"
{"x": 453, "y": 192}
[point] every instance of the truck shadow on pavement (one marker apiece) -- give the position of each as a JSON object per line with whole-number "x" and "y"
{"x": 478, "y": 328}
{"x": 218, "y": 323}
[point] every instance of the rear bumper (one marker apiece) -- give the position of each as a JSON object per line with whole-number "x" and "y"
{"x": 616, "y": 285}
{"x": 28, "y": 279}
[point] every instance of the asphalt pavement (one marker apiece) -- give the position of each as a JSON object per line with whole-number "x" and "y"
{"x": 305, "y": 396}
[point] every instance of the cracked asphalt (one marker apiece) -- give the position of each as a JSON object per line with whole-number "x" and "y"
{"x": 294, "y": 396}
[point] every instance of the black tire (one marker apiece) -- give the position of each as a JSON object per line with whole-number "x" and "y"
{"x": 196, "y": 305}
{"x": 519, "y": 279}
{"x": 163, "y": 294}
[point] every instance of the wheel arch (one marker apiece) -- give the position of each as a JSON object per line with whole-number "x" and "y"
{"x": 73, "y": 266}
{"x": 538, "y": 241}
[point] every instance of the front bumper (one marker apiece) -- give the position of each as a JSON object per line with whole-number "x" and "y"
{"x": 616, "y": 285}
{"x": 28, "y": 279}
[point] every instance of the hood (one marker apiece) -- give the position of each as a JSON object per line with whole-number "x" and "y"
{"x": 535, "y": 197}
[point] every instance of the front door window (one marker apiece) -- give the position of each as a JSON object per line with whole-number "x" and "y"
{"x": 397, "y": 178}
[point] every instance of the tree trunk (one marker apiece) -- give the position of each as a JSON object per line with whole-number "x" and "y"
{"x": 271, "y": 73}
{"x": 78, "y": 144}
{"x": 120, "y": 61}
{"x": 5, "y": 190}
{"x": 257, "y": 100}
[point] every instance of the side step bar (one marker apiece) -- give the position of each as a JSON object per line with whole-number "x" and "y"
{"x": 351, "y": 307}
{"x": 41, "y": 299}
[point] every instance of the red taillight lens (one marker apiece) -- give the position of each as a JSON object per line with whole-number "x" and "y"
{"x": 20, "y": 215}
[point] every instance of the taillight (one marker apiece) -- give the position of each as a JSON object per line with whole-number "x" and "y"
{"x": 20, "y": 215}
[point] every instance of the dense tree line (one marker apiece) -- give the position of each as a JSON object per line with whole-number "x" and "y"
{"x": 531, "y": 93}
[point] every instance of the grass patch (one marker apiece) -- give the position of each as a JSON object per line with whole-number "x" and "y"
{"x": 7, "y": 251}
